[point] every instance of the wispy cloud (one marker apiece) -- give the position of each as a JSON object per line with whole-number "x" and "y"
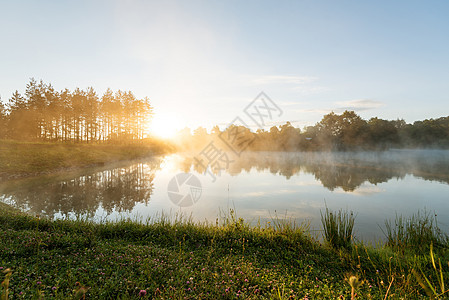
{"x": 299, "y": 84}
{"x": 289, "y": 103}
{"x": 359, "y": 105}
{"x": 355, "y": 105}
{"x": 320, "y": 111}
{"x": 284, "y": 79}
{"x": 307, "y": 89}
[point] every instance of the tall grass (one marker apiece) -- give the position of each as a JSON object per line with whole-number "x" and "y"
{"x": 5, "y": 284}
{"x": 338, "y": 228}
{"x": 416, "y": 232}
{"x": 434, "y": 291}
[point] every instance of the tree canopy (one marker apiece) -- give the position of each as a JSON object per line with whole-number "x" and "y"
{"x": 45, "y": 114}
{"x": 42, "y": 113}
{"x": 345, "y": 131}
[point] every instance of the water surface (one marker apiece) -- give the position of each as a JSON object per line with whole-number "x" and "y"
{"x": 260, "y": 186}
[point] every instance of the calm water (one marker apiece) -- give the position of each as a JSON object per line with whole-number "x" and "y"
{"x": 260, "y": 186}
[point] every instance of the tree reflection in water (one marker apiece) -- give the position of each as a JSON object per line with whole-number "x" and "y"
{"x": 346, "y": 170}
{"x": 117, "y": 189}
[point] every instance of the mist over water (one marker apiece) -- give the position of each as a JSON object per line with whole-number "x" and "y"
{"x": 260, "y": 186}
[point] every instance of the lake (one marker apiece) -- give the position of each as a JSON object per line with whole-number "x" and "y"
{"x": 260, "y": 187}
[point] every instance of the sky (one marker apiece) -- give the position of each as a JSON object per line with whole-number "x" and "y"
{"x": 202, "y": 62}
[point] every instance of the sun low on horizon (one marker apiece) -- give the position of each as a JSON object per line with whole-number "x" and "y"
{"x": 165, "y": 125}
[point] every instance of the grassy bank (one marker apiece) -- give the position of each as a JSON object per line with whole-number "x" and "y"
{"x": 18, "y": 159}
{"x": 183, "y": 260}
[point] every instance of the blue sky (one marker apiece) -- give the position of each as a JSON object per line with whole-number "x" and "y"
{"x": 202, "y": 62}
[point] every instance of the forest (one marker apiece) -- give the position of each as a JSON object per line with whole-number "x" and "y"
{"x": 82, "y": 116}
{"x": 335, "y": 132}
{"x": 44, "y": 114}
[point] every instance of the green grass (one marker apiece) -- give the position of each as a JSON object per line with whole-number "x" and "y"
{"x": 31, "y": 158}
{"x": 433, "y": 290}
{"x": 179, "y": 259}
{"x": 415, "y": 233}
{"x": 338, "y": 227}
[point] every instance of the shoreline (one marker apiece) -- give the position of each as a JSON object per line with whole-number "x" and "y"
{"x": 182, "y": 259}
{"x": 29, "y": 159}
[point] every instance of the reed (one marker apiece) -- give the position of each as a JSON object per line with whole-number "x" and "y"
{"x": 416, "y": 232}
{"x": 433, "y": 290}
{"x": 338, "y": 228}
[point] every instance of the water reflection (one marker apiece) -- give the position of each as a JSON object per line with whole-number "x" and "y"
{"x": 346, "y": 170}
{"x": 117, "y": 189}
{"x": 121, "y": 189}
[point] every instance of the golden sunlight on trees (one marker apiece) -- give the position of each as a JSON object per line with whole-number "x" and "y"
{"x": 347, "y": 131}
{"x": 82, "y": 116}
{"x": 45, "y": 114}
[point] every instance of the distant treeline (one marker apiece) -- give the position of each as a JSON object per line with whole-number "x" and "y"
{"x": 346, "y": 131}
{"x": 45, "y": 114}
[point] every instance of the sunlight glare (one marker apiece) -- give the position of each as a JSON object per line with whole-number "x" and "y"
{"x": 165, "y": 125}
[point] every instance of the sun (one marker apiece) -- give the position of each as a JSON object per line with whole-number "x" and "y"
{"x": 165, "y": 125}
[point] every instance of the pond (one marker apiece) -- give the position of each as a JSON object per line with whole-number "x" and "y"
{"x": 260, "y": 186}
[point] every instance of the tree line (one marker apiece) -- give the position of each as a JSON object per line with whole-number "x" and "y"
{"x": 335, "y": 132}
{"x": 45, "y": 114}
